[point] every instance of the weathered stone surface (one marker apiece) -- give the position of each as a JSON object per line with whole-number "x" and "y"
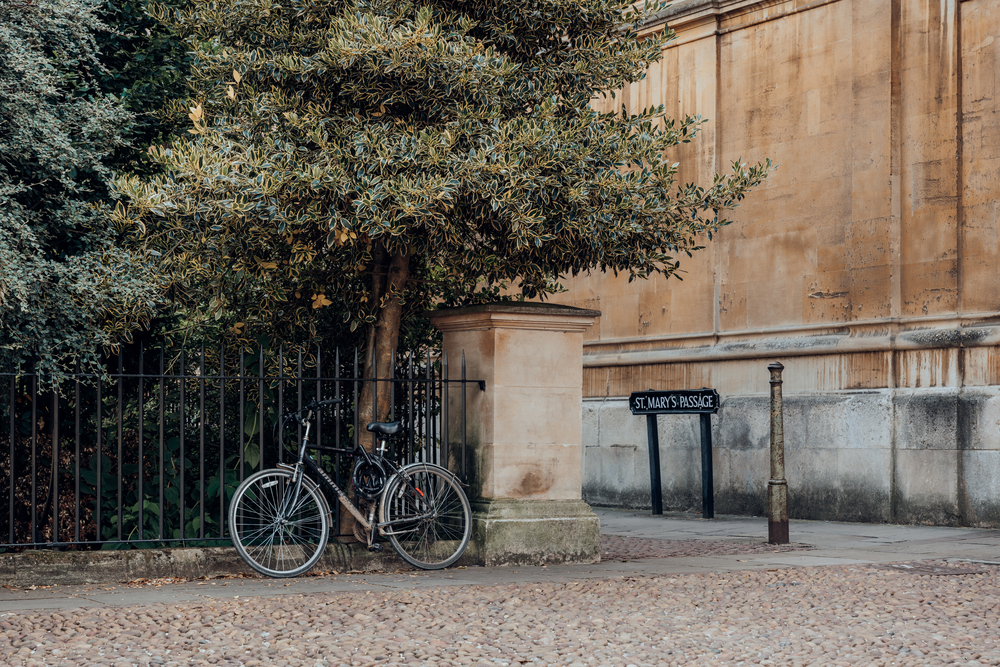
{"x": 525, "y": 427}
{"x": 874, "y": 456}
{"x": 869, "y": 257}
{"x": 517, "y": 532}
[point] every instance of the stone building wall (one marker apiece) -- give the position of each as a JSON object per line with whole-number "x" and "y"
{"x": 867, "y": 264}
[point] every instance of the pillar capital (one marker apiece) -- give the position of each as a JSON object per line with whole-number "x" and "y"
{"x": 514, "y": 315}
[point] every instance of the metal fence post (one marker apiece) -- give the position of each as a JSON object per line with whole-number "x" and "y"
{"x": 777, "y": 487}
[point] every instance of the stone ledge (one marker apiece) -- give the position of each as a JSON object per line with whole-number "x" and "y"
{"x": 687, "y": 11}
{"x": 519, "y": 307}
{"x": 836, "y": 338}
{"x": 689, "y": 8}
{"x": 45, "y": 568}
{"x": 517, "y": 315}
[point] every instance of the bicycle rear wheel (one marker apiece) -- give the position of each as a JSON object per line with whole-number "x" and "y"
{"x": 274, "y": 537}
{"x": 429, "y": 516}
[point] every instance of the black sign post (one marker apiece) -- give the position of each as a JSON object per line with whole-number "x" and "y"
{"x": 703, "y": 402}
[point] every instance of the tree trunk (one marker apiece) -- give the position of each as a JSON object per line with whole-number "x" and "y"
{"x": 389, "y": 276}
{"x": 384, "y": 334}
{"x": 380, "y": 271}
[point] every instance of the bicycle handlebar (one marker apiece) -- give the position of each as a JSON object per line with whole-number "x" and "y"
{"x": 279, "y": 426}
{"x": 315, "y": 405}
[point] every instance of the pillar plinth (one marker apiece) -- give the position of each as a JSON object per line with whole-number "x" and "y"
{"x": 524, "y": 431}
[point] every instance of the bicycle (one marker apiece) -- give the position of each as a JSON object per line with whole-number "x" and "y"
{"x": 279, "y": 519}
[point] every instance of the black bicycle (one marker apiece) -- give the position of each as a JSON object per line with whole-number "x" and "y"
{"x": 279, "y": 520}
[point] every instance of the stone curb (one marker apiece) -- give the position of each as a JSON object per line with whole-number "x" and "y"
{"x": 46, "y": 568}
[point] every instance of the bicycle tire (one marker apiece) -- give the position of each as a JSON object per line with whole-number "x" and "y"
{"x": 267, "y": 543}
{"x": 428, "y": 542}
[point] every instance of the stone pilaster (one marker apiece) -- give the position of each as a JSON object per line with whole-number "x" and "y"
{"x": 525, "y": 430}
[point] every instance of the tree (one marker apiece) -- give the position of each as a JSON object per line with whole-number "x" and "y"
{"x": 377, "y": 154}
{"x": 66, "y": 290}
{"x": 145, "y": 65}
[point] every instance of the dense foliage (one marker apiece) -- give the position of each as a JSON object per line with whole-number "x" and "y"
{"x": 66, "y": 289}
{"x": 145, "y": 67}
{"x": 378, "y": 154}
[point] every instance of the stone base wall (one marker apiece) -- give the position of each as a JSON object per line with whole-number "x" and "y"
{"x": 881, "y": 456}
{"x": 533, "y": 532}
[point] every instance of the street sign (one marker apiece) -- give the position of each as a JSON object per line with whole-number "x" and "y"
{"x": 704, "y": 402}
{"x": 682, "y": 402}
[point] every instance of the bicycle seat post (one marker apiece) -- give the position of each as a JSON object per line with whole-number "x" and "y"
{"x": 305, "y": 436}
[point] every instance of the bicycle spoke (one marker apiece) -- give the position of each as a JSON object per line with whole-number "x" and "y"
{"x": 263, "y": 511}
{"x": 304, "y": 521}
{"x": 303, "y": 501}
{"x": 250, "y": 537}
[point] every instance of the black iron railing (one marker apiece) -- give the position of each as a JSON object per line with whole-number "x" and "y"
{"x": 150, "y": 453}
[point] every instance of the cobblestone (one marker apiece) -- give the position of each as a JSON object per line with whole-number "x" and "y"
{"x": 838, "y": 615}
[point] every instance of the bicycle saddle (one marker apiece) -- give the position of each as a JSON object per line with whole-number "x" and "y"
{"x": 385, "y": 428}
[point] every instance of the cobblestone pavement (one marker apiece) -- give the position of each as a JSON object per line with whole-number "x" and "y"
{"x": 930, "y": 613}
{"x": 617, "y": 547}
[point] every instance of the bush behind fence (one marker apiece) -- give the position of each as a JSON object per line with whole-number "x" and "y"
{"x": 150, "y": 454}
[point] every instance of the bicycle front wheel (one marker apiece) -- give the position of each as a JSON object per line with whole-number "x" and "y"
{"x": 275, "y": 533}
{"x": 426, "y": 516}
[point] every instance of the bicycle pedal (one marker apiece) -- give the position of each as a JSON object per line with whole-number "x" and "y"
{"x": 374, "y": 548}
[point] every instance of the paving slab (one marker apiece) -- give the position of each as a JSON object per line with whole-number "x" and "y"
{"x": 18, "y": 606}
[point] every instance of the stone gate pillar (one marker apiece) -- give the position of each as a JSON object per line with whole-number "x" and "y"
{"x": 525, "y": 431}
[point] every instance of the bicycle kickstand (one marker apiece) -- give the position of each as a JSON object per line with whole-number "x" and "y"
{"x": 372, "y": 546}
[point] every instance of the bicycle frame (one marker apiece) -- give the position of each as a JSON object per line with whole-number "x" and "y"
{"x": 305, "y": 461}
